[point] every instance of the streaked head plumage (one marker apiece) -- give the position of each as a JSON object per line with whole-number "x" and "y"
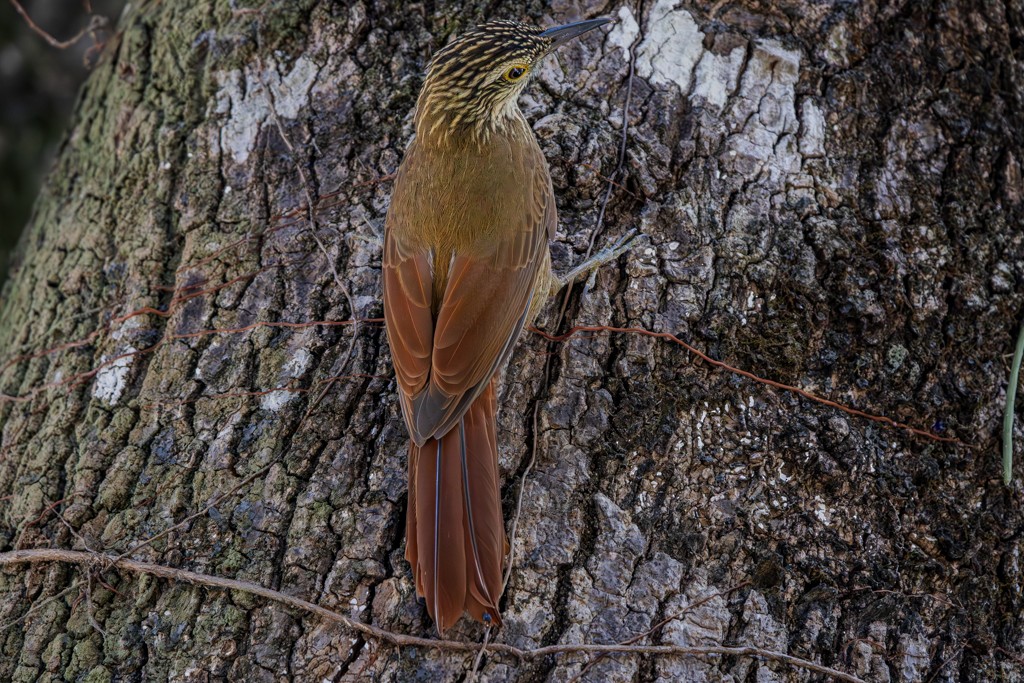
{"x": 475, "y": 80}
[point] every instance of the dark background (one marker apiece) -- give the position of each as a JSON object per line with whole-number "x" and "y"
{"x": 38, "y": 86}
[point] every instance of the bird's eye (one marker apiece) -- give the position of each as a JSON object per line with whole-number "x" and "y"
{"x": 515, "y": 73}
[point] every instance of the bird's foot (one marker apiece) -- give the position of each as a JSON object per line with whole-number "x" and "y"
{"x": 375, "y": 236}
{"x": 588, "y": 269}
{"x": 374, "y": 240}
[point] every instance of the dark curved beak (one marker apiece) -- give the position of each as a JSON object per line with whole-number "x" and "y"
{"x": 560, "y": 35}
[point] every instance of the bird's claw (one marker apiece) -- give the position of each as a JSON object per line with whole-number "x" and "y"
{"x": 589, "y": 267}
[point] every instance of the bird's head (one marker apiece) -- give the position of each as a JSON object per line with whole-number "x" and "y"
{"x": 473, "y": 82}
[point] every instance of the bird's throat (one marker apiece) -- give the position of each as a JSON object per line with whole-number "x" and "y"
{"x": 442, "y": 120}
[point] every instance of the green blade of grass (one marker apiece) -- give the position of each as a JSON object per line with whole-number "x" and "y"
{"x": 1011, "y": 396}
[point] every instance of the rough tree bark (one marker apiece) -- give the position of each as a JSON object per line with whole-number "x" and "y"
{"x": 832, "y": 194}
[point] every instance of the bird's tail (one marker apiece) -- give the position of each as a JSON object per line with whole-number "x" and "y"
{"x": 455, "y": 535}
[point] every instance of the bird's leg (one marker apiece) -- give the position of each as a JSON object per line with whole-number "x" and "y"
{"x": 589, "y": 267}
{"x": 376, "y": 236}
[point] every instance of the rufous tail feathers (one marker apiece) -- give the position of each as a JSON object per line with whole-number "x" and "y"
{"x": 455, "y": 535}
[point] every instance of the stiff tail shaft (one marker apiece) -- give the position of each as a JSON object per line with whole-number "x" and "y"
{"x": 455, "y": 536}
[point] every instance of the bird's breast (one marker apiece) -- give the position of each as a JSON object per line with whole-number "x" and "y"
{"x": 464, "y": 198}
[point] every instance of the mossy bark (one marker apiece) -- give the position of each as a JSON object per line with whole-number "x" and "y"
{"x": 832, "y": 198}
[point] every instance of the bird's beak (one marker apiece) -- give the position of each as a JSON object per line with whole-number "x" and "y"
{"x": 560, "y": 35}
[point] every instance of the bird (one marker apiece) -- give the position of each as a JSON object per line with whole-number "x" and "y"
{"x": 466, "y": 266}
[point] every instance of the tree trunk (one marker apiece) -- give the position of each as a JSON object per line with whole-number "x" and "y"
{"x": 832, "y": 199}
